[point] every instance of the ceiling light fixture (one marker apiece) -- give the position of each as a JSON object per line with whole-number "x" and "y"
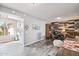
{"x": 24, "y": 15}
{"x": 35, "y": 4}
{"x": 58, "y": 18}
{"x": 13, "y": 11}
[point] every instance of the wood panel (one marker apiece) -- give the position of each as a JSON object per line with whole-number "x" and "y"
{"x": 67, "y": 52}
{"x": 47, "y": 29}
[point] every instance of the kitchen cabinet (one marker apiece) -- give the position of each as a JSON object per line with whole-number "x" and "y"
{"x": 67, "y": 52}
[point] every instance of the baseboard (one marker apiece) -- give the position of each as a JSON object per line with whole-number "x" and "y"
{"x": 32, "y": 43}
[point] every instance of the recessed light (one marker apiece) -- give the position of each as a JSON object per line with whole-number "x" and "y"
{"x": 58, "y": 18}
{"x": 35, "y": 4}
{"x": 24, "y": 15}
{"x": 13, "y": 11}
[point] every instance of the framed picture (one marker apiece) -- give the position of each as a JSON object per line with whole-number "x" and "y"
{"x": 35, "y": 27}
{"x": 26, "y": 27}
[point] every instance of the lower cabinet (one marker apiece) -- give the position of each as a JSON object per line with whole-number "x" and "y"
{"x": 67, "y": 52}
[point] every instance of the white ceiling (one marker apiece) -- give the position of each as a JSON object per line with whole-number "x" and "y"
{"x": 46, "y": 11}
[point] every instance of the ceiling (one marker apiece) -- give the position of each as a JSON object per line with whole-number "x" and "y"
{"x": 46, "y": 11}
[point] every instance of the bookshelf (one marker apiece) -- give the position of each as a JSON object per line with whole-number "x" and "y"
{"x": 71, "y": 27}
